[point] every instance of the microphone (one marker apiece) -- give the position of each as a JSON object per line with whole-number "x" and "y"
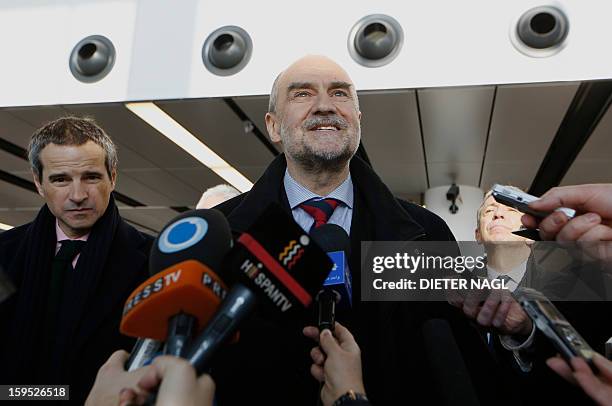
{"x": 337, "y": 287}
{"x": 184, "y": 290}
{"x": 188, "y": 237}
{"x": 279, "y": 267}
{"x": 144, "y": 350}
{"x": 447, "y": 365}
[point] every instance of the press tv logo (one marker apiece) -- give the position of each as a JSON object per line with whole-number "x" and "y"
{"x": 182, "y": 234}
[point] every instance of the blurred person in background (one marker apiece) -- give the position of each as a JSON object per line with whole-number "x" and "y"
{"x": 216, "y": 195}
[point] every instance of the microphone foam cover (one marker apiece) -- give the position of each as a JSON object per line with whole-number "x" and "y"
{"x": 189, "y": 287}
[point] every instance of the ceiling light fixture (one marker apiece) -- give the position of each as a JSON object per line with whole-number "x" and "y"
{"x": 5, "y": 226}
{"x": 165, "y": 124}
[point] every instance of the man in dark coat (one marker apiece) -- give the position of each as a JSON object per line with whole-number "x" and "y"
{"x": 314, "y": 114}
{"x": 512, "y": 337}
{"x": 73, "y": 266}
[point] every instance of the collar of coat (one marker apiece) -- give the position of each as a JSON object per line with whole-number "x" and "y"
{"x": 391, "y": 221}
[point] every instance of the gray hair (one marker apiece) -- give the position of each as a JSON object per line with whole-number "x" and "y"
{"x": 222, "y": 193}
{"x": 71, "y": 131}
{"x": 274, "y": 94}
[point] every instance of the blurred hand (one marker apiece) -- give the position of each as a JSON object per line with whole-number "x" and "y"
{"x": 499, "y": 311}
{"x": 593, "y": 221}
{"x": 336, "y": 362}
{"x": 111, "y": 378}
{"x": 598, "y": 387}
{"x": 178, "y": 385}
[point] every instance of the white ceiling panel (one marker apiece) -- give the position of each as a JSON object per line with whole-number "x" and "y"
{"x": 18, "y": 206}
{"x": 255, "y": 107}
{"x": 455, "y": 123}
{"x": 213, "y": 122}
{"x": 594, "y": 162}
{"x": 16, "y": 218}
{"x": 166, "y": 184}
{"x": 14, "y": 129}
{"x": 524, "y": 123}
{"x": 36, "y": 117}
{"x": 198, "y": 179}
{"x": 131, "y": 187}
{"x": 445, "y": 173}
{"x": 12, "y": 196}
{"x": 133, "y": 133}
{"x": 14, "y": 165}
{"x": 130, "y": 160}
{"x": 154, "y": 219}
{"x": 391, "y": 136}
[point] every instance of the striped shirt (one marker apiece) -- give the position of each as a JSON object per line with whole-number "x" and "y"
{"x": 298, "y": 194}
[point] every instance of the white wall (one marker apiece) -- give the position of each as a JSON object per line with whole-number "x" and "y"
{"x": 159, "y": 44}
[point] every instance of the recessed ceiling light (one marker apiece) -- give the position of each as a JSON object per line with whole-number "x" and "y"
{"x": 5, "y": 226}
{"x": 169, "y": 127}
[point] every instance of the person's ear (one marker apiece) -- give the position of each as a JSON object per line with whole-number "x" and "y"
{"x": 38, "y": 184}
{"x": 113, "y": 178}
{"x": 273, "y": 127}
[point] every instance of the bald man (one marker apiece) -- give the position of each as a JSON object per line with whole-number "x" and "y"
{"x": 314, "y": 115}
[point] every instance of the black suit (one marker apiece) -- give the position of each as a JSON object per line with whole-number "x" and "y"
{"x": 95, "y": 335}
{"x": 270, "y": 364}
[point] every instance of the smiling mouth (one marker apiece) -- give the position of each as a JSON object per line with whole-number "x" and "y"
{"x": 325, "y": 128}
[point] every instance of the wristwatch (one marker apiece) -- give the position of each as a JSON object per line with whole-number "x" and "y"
{"x": 353, "y": 398}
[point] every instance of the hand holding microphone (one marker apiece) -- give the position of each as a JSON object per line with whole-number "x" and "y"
{"x": 336, "y": 364}
{"x": 111, "y": 378}
{"x": 177, "y": 382}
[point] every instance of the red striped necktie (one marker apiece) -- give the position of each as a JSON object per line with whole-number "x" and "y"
{"x": 320, "y": 210}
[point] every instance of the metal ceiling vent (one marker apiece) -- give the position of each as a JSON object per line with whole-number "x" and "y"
{"x": 375, "y": 40}
{"x": 227, "y": 50}
{"x": 92, "y": 58}
{"x": 541, "y": 31}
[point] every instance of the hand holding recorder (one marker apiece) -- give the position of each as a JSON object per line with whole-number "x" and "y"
{"x": 593, "y": 221}
{"x": 598, "y": 387}
{"x": 336, "y": 363}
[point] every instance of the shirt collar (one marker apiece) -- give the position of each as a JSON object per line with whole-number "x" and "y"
{"x": 298, "y": 194}
{"x": 515, "y": 274}
{"x": 61, "y": 236}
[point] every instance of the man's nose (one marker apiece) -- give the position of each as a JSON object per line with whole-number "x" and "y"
{"x": 499, "y": 212}
{"x": 324, "y": 104}
{"x": 78, "y": 192}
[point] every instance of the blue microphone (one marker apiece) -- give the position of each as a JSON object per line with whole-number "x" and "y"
{"x": 337, "y": 287}
{"x": 339, "y": 279}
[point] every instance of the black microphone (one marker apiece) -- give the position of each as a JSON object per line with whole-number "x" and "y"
{"x": 184, "y": 289}
{"x": 337, "y": 287}
{"x": 203, "y": 235}
{"x": 447, "y": 365}
{"x": 274, "y": 264}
